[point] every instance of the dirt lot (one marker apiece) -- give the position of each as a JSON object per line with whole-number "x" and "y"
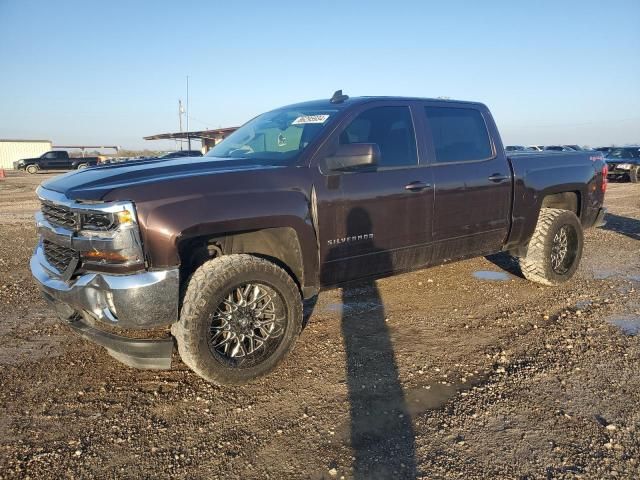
{"x": 440, "y": 373}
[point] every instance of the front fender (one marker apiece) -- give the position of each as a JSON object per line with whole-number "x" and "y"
{"x": 165, "y": 224}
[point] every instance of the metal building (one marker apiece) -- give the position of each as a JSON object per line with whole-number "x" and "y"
{"x": 12, "y": 150}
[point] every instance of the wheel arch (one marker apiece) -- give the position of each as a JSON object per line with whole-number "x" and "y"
{"x": 279, "y": 245}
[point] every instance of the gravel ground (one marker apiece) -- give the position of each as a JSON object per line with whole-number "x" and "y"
{"x": 440, "y": 373}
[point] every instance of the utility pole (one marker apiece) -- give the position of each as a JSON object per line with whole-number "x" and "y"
{"x": 188, "y": 137}
{"x": 180, "y": 113}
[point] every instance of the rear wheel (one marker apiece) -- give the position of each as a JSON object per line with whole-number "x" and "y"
{"x": 81, "y": 166}
{"x": 240, "y": 317}
{"x": 554, "y": 251}
{"x": 32, "y": 169}
{"x": 634, "y": 174}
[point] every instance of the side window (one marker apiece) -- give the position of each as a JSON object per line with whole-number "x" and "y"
{"x": 459, "y": 134}
{"x": 50, "y": 155}
{"x": 389, "y": 127}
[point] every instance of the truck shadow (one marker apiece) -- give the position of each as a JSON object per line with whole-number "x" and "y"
{"x": 381, "y": 431}
{"x": 629, "y": 227}
{"x": 506, "y": 262}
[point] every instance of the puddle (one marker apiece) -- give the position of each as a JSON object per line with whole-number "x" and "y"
{"x": 628, "y": 324}
{"x": 582, "y": 304}
{"x": 350, "y": 307}
{"x": 490, "y": 275}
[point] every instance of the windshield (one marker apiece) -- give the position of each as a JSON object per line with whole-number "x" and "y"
{"x": 624, "y": 153}
{"x": 279, "y": 135}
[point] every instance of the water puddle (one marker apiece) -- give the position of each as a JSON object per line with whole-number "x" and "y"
{"x": 491, "y": 276}
{"x": 583, "y": 304}
{"x": 628, "y": 324}
{"x": 350, "y": 307}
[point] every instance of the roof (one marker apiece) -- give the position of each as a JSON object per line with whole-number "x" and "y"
{"x": 213, "y": 134}
{"x": 326, "y": 103}
{"x": 24, "y": 141}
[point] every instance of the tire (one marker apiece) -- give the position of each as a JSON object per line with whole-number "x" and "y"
{"x": 32, "y": 169}
{"x": 544, "y": 262}
{"x": 634, "y": 174}
{"x": 81, "y": 166}
{"x": 203, "y": 342}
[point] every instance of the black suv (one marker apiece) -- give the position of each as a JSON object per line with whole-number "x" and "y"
{"x": 624, "y": 162}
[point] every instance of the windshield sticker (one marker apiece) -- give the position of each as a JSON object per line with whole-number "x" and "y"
{"x": 282, "y": 140}
{"x": 310, "y": 119}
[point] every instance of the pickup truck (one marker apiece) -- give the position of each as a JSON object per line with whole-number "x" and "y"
{"x": 218, "y": 254}
{"x": 54, "y": 160}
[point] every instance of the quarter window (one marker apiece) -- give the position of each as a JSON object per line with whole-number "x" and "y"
{"x": 459, "y": 134}
{"x": 391, "y": 128}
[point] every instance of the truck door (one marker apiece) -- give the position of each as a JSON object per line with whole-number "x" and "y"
{"x": 472, "y": 180}
{"x": 48, "y": 161}
{"x": 375, "y": 220}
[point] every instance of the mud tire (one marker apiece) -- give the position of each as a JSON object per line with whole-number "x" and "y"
{"x": 206, "y": 289}
{"x": 537, "y": 266}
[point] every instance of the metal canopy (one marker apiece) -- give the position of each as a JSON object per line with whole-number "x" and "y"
{"x": 209, "y": 134}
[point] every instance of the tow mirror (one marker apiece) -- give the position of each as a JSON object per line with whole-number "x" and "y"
{"x": 354, "y": 155}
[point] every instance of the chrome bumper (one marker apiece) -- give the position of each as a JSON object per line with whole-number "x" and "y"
{"x": 141, "y": 300}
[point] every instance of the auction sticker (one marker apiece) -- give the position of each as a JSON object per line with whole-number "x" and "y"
{"x": 310, "y": 119}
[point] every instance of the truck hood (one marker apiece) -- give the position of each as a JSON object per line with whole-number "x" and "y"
{"x": 93, "y": 184}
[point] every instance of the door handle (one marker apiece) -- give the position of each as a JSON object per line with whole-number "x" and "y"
{"x": 416, "y": 186}
{"x": 497, "y": 178}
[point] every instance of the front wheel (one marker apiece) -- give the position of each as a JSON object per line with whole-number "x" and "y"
{"x": 32, "y": 169}
{"x": 81, "y": 166}
{"x": 554, "y": 251}
{"x": 634, "y": 174}
{"x": 240, "y": 317}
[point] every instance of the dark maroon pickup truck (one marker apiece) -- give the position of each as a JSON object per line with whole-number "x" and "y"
{"x": 217, "y": 254}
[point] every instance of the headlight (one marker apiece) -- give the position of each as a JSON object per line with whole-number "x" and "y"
{"x": 107, "y": 218}
{"x": 624, "y": 166}
{"x": 110, "y": 232}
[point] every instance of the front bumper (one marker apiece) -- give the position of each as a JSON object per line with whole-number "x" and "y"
{"x": 140, "y": 300}
{"x": 136, "y": 301}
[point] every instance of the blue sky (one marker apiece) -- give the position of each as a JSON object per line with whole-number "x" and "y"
{"x": 112, "y": 72}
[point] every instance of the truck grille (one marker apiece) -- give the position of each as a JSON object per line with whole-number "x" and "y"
{"x": 58, "y": 256}
{"x": 59, "y": 215}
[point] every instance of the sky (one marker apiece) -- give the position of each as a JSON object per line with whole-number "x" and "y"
{"x": 82, "y": 72}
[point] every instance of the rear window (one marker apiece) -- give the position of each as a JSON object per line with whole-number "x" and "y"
{"x": 459, "y": 134}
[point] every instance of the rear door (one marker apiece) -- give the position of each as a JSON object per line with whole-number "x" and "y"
{"x": 472, "y": 180}
{"x": 375, "y": 221}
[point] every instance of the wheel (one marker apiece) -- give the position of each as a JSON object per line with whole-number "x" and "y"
{"x": 32, "y": 169}
{"x": 81, "y": 166}
{"x": 634, "y": 174}
{"x": 554, "y": 251}
{"x": 240, "y": 317}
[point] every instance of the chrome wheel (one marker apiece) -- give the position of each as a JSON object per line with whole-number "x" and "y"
{"x": 563, "y": 249}
{"x": 246, "y": 327}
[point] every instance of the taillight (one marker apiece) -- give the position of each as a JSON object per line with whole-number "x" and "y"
{"x": 605, "y": 171}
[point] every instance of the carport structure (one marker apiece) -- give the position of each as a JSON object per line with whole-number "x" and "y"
{"x": 209, "y": 138}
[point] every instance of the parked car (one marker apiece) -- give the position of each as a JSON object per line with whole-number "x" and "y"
{"x": 604, "y": 150}
{"x": 576, "y": 148}
{"x": 224, "y": 249}
{"x": 54, "y": 160}
{"x": 624, "y": 162}
{"x": 181, "y": 154}
{"x": 558, "y": 148}
{"x": 515, "y": 148}
{"x": 537, "y": 148}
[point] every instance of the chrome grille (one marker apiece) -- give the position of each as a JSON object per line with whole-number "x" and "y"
{"x": 58, "y": 256}
{"x": 59, "y": 215}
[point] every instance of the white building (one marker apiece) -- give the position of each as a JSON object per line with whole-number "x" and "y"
{"x": 12, "y": 150}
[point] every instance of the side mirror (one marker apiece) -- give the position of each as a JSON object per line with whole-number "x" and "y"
{"x": 354, "y": 155}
